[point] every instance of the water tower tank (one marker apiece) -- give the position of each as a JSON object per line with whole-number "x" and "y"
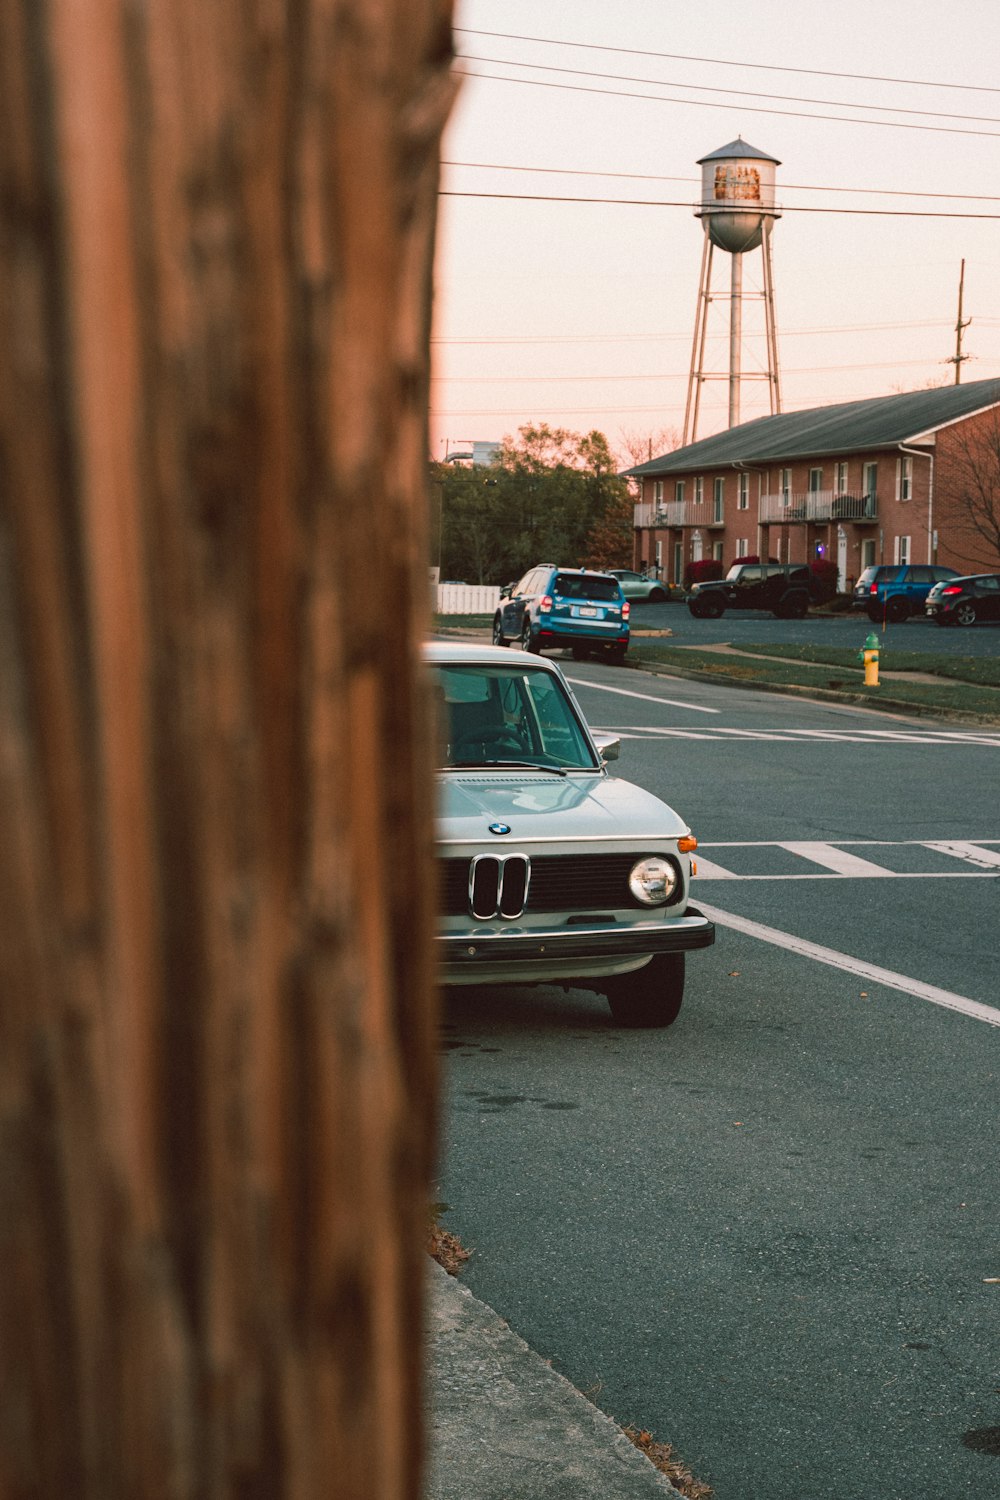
{"x": 737, "y": 195}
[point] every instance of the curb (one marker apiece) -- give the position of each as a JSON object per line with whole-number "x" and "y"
{"x": 502, "y": 1423}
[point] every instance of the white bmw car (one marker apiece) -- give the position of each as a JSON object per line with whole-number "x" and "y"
{"x": 553, "y": 871}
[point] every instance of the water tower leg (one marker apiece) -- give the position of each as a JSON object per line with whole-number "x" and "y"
{"x": 697, "y": 371}
{"x": 735, "y": 338}
{"x": 774, "y": 379}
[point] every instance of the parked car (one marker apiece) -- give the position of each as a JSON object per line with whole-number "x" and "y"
{"x": 786, "y": 589}
{"x": 571, "y": 607}
{"x": 553, "y": 871}
{"x": 963, "y": 601}
{"x": 894, "y": 591}
{"x": 637, "y": 588}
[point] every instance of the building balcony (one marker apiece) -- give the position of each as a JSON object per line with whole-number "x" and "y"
{"x": 817, "y": 506}
{"x": 671, "y": 513}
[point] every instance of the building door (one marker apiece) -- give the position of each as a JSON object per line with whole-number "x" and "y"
{"x": 697, "y": 547}
{"x": 841, "y": 560}
{"x": 678, "y": 574}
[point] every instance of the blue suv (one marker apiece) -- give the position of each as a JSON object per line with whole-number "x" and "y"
{"x": 892, "y": 592}
{"x": 571, "y": 607}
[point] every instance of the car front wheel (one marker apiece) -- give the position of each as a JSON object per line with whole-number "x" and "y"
{"x": 527, "y": 639}
{"x": 706, "y": 609}
{"x": 650, "y": 996}
{"x": 498, "y": 639}
{"x": 656, "y": 596}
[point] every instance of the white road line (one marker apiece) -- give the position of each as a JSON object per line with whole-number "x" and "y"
{"x": 601, "y": 687}
{"x": 832, "y": 858}
{"x": 869, "y": 972}
{"x": 974, "y": 854}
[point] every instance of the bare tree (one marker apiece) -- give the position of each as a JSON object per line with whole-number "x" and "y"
{"x": 216, "y": 1035}
{"x": 968, "y": 486}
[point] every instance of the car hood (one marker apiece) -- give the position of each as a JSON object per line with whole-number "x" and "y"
{"x": 535, "y": 805}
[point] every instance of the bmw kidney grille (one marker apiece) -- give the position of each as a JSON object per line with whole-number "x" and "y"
{"x": 498, "y": 885}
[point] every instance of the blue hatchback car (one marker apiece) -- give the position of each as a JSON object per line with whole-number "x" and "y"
{"x": 569, "y": 607}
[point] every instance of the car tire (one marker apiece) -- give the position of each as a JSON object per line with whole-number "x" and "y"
{"x": 528, "y": 640}
{"x": 896, "y": 610}
{"x": 650, "y": 996}
{"x": 707, "y": 609}
{"x": 657, "y": 596}
{"x": 875, "y": 611}
{"x": 616, "y": 656}
{"x": 965, "y": 613}
{"x": 792, "y": 607}
{"x": 498, "y": 639}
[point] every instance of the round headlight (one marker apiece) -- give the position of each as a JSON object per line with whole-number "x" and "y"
{"x": 653, "y": 881}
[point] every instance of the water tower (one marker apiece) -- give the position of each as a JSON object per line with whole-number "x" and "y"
{"x": 738, "y": 213}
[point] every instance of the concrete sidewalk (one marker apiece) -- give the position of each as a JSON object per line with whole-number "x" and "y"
{"x": 502, "y": 1425}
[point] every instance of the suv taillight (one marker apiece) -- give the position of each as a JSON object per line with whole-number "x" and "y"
{"x": 953, "y": 588}
{"x": 874, "y": 588}
{"x": 545, "y": 604}
{"x": 626, "y": 607}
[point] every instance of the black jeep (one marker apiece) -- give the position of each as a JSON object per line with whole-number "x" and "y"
{"x": 787, "y": 589}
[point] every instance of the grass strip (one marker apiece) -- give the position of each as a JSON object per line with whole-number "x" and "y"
{"x": 956, "y": 697}
{"x": 982, "y": 671}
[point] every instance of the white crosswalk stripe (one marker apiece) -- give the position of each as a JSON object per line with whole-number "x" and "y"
{"x": 834, "y": 860}
{"x": 886, "y": 737}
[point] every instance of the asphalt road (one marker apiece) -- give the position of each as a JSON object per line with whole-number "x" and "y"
{"x": 915, "y": 634}
{"x": 768, "y": 1234}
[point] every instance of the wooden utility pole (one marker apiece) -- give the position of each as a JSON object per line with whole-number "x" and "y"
{"x": 216, "y": 1020}
{"x": 958, "y": 358}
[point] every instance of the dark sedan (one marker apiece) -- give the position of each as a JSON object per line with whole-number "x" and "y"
{"x": 963, "y": 601}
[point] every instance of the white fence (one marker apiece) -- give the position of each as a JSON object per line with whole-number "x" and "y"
{"x": 467, "y": 598}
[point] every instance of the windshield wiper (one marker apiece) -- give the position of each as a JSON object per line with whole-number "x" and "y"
{"x": 516, "y": 765}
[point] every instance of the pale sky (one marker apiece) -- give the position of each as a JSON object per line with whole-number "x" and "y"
{"x": 582, "y": 314}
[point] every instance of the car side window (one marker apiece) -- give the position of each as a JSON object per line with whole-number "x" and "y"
{"x": 751, "y": 575}
{"x": 991, "y": 582}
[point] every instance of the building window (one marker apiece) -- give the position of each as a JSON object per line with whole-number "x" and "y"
{"x": 743, "y": 502}
{"x": 742, "y": 548}
{"x": 868, "y": 553}
{"x": 657, "y": 491}
{"x": 815, "y": 481}
{"x": 717, "y": 551}
{"x": 901, "y": 551}
{"x": 679, "y": 490}
{"x": 718, "y": 500}
{"x": 659, "y": 559}
{"x": 785, "y": 487}
{"x": 699, "y": 490}
{"x": 869, "y": 481}
{"x": 840, "y": 482}
{"x": 904, "y": 477}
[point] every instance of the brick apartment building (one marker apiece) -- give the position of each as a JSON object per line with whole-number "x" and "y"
{"x": 908, "y": 478}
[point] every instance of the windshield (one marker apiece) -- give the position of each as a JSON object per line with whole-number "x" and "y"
{"x": 509, "y": 716}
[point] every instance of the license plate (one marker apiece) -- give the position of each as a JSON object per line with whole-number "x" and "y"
{"x": 587, "y": 612}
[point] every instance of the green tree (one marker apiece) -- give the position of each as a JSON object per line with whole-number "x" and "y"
{"x": 539, "y": 501}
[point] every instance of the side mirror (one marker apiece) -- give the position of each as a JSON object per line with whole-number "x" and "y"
{"x": 505, "y": 592}
{"x": 609, "y": 746}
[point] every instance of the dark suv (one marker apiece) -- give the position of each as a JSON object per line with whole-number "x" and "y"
{"x": 787, "y": 589}
{"x": 893, "y": 591}
{"x": 572, "y": 607}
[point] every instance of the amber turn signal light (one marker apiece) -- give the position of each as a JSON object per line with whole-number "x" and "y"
{"x": 687, "y": 844}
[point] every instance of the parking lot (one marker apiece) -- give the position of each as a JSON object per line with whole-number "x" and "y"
{"x": 817, "y": 629}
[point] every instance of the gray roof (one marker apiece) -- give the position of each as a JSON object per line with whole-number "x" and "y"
{"x": 829, "y": 431}
{"x": 739, "y": 148}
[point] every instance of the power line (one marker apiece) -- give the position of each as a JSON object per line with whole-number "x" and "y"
{"x": 724, "y": 62}
{"x": 800, "y": 187}
{"x": 876, "y": 213}
{"x": 886, "y": 364}
{"x": 788, "y": 114}
{"x": 711, "y": 88}
{"x": 621, "y": 338}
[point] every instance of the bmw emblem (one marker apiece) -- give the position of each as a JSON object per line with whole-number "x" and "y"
{"x": 499, "y": 828}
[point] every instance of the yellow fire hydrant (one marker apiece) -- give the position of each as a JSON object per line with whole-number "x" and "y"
{"x": 869, "y": 655}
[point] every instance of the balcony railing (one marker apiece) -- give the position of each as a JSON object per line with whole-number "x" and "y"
{"x": 800, "y": 508}
{"x": 673, "y": 513}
